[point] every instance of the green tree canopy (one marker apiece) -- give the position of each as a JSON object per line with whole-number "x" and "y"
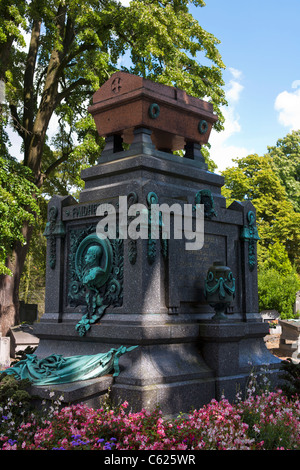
{"x": 253, "y": 178}
{"x": 285, "y": 157}
{"x": 277, "y": 292}
{"x": 18, "y": 206}
{"x": 76, "y": 45}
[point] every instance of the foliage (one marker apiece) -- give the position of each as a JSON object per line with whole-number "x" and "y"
{"x": 278, "y": 281}
{"x": 285, "y": 157}
{"x": 260, "y": 422}
{"x": 18, "y": 205}
{"x": 12, "y": 389}
{"x": 16, "y": 403}
{"x": 75, "y": 47}
{"x": 212, "y": 166}
{"x": 291, "y": 376}
{"x": 254, "y": 179}
{"x": 32, "y": 284}
{"x": 11, "y": 19}
{"x": 272, "y": 421}
{"x": 275, "y": 257}
{"x": 277, "y": 292}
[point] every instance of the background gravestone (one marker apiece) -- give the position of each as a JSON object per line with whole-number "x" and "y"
{"x": 154, "y": 293}
{"x": 28, "y": 312}
{"x": 4, "y": 352}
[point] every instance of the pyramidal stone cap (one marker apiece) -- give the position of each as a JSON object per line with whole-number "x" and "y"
{"x": 126, "y": 102}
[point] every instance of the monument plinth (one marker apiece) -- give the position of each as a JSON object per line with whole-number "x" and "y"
{"x": 152, "y": 292}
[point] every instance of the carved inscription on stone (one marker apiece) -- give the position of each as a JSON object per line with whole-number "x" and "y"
{"x": 116, "y": 85}
{"x": 197, "y": 262}
{"x": 80, "y": 210}
{"x": 191, "y": 269}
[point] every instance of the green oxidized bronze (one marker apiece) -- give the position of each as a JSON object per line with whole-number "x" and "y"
{"x": 152, "y": 198}
{"x": 56, "y": 369}
{"x": 132, "y": 244}
{"x": 249, "y": 234}
{"x": 96, "y": 275}
{"x": 205, "y": 197}
{"x": 93, "y": 261}
{"x": 219, "y": 289}
{"x": 154, "y": 111}
{"x": 203, "y": 126}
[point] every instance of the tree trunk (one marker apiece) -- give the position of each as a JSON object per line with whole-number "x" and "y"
{"x": 9, "y": 285}
{"x": 29, "y": 105}
{"x": 34, "y": 130}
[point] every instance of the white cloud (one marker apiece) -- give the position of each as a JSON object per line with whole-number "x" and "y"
{"x": 235, "y": 89}
{"x": 236, "y": 74}
{"x": 233, "y": 94}
{"x": 222, "y": 152}
{"x": 288, "y": 106}
{"x": 296, "y": 83}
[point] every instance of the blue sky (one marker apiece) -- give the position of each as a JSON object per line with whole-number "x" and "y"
{"x": 260, "y": 46}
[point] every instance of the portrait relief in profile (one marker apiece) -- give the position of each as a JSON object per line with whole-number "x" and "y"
{"x": 93, "y": 262}
{"x": 97, "y": 278}
{"x": 92, "y": 271}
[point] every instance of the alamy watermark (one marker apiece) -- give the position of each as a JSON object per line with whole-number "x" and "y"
{"x": 141, "y": 222}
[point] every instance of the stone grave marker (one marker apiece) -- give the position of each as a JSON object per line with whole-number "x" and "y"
{"x": 21, "y": 338}
{"x": 297, "y": 304}
{"x": 4, "y": 352}
{"x": 290, "y": 338}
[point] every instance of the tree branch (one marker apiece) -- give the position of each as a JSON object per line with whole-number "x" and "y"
{"x": 67, "y": 91}
{"x": 57, "y": 162}
{"x": 16, "y": 122}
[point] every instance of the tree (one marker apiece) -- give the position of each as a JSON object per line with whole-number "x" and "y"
{"x": 74, "y": 48}
{"x": 285, "y": 157}
{"x": 32, "y": 282}
{"x": 11, "y": 18}
{"x": 278, "y": 292}
{"x": 19, "y": 208}
{"x": 278, "y": 281}
{"x": 254, "y": 179}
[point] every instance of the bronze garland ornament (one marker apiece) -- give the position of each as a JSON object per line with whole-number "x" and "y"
{"x": 154, "y": 110}
{"x": 203, "y": 127}
{"x": 219, "y": 289}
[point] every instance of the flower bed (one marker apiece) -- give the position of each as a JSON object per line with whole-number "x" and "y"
{"x": 267, "y": 421}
